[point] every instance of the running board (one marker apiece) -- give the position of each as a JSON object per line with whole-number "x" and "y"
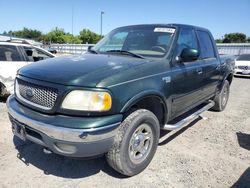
{"x": 188, "y": 119}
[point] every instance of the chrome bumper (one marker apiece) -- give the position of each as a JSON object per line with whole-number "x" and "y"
{"x": 32, "y": 120}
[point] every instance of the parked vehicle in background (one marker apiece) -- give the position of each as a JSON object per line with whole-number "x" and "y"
{"x": 242, "y": 65}
{"x": 13, "y": 56}
{"x": 51, "y": 50}
{"x": 115, "y": 99}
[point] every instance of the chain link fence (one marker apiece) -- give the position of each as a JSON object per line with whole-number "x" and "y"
{"x": 230, "y": 48}
{"x": 234, "y": 48}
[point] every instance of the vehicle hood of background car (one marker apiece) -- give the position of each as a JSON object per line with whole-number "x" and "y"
{"x": 243, "y": 63}
{"x": 91, "y": 70}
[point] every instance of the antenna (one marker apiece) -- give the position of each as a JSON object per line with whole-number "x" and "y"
{"x": 72, "y": 20}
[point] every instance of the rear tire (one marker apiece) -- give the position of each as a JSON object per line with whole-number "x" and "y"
{"x": 135, "y": 143}
{"x": 2, "y": 89}
{"x": 221, "y": 98}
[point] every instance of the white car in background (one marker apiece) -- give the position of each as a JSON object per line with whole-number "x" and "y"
{"x": 13, "y": 56}
{"x": 242, "y": 65}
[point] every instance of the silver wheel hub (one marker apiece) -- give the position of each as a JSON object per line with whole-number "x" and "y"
{"x": 224, "y": 96}
{"x": 140, "y": 143}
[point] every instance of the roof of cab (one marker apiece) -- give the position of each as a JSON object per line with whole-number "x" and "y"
{"x": 169, "y": 25}
{"x": 14, "y": 43}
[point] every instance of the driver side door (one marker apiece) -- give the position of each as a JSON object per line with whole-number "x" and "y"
{"x": 187, "y": 77}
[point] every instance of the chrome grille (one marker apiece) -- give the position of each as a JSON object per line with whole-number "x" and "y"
{"x": 244, "y": 67}
{"x": 36, "y": 95}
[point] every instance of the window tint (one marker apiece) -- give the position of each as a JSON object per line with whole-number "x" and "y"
{"x": 186, "y": 39}
{"x": 35, "y": 54}
{"x": 206, "y": 45}
{"x": 9, "y": 53}
{"x": 244, "y": 57}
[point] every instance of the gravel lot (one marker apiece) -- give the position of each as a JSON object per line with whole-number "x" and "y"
{"x": 210, "y": 152}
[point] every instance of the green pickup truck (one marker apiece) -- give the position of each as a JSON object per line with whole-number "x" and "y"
{"x": 115, "y": 99}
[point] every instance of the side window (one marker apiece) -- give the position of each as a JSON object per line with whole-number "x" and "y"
{"x": 42, "y": 55}
{"x": 206, "y": 45}
{"x": 35, "y": 54}
{"x": 9, "y": 53}
{"x": 186, "y": 39}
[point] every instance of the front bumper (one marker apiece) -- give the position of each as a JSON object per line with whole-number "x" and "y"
{"x": 241, "y": 72}
{"x": 59, "y": 133}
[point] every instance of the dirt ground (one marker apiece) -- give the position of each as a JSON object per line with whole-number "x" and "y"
{"x": 209, "y": 152}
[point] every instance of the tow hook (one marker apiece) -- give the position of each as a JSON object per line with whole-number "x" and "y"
{"x": 47, "y": 151}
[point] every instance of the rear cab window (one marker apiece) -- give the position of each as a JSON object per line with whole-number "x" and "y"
{"x": 9, "y": 53}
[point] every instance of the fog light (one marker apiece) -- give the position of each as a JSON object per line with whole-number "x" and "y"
{"x": 65, "y": 147}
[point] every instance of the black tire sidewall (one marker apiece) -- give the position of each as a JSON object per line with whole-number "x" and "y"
{"x": 150, "y": 119}
{"x": 226, "y": 84}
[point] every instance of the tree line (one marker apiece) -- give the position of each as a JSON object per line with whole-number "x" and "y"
{"x": 59, "y": 36}
{"x": 56, "y": 35}
{"x": 234, "y": 38}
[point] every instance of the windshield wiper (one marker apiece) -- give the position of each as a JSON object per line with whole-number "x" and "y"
{"x": 127, "y": 53}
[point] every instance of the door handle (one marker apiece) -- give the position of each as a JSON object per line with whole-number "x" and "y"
{"x": 199, "y": 71}
{"x": 218, "y": 67}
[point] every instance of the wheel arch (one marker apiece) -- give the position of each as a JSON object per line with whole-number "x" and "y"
{"x": 2, "y": 88}
{"x": 229, "y": 78}
{"x": 153, "y": 101}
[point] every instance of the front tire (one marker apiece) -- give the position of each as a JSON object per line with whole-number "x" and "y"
{"x": 2, "y": 90}
{"x": 135, "y": 143}
{"x": 221, "y": 98}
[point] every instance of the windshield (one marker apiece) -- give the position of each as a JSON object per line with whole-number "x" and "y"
{"x": 244, "y": 57}
{"x": 144, "y": 41}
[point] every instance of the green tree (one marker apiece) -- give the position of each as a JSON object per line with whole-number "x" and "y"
{"x": 27, "y": 33}
{"x": 248, "y": 39}
{"x": 90, "y": 37}
{"x": 70, "y": 39}
{"x": 218, "y": 40}
{"x": 56, "y": 36}
{"x": 234, "y": 38}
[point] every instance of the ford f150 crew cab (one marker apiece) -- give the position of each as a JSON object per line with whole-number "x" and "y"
{"x": 115, "y": 99}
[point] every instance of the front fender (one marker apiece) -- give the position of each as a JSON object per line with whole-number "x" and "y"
{"x": 143, "y": 95}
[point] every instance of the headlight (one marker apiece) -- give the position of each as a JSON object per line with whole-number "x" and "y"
{"x": 87, "y": 101}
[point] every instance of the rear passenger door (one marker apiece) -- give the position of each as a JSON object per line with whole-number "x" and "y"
{"x": 211, "y": 66}
{"x": 187, "y": 77}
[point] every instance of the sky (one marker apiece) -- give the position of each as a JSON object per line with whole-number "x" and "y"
{"x": 219, "y": 16}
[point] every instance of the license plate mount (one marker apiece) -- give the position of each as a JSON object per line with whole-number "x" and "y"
{"x": 19, "y": 130}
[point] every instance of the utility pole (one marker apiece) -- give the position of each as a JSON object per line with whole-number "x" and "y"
{"x": 72, "y": 21}
{"x": 101, "y": 21}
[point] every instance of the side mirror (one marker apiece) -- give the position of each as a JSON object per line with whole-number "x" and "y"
{"x": 89, "y": 48}
{"x": 189, "y": 54}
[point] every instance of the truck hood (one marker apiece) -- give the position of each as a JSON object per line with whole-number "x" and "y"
{"x": 86, "y": 70}
{"x": 242, "y": 63}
